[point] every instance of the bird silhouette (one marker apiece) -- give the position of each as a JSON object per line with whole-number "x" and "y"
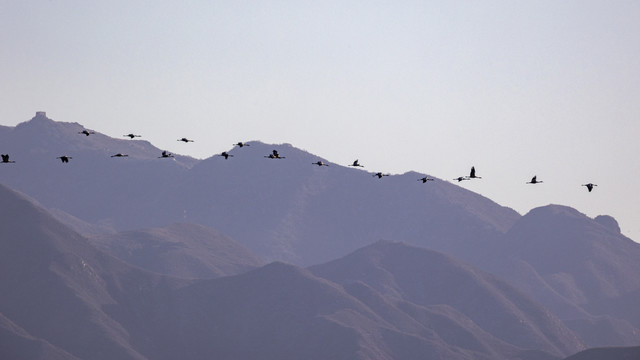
{"x": 472, "y": 175}
{"x": 274, "y": 155}
{"x": 225, "y": 154}
{"x": 5, "y": 159}
{"x": 356, "y": 164}
{"x": 461, "y": 178}
{"x": 534, "y": 180}
{"x": 319, "y": 163}
{"x": 380, "y": 175}
{"x": 86, "y": 132}
{"x": 242, "y": 144}
{"x": 119, "y": 155}
{"x": 185, "y": 140}
{"x": 165, "y": 154}
{"x": 64, "y": 158}
{"x": 131, "y": 136}
{"x": 589, "y": 186}
{"x": 425, "y": 179}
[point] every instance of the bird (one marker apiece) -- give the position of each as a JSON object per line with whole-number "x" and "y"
{"x": 274, "y": 155}
{"x": 5, "y": 159}
{"x": 425, "y": 179}
{"x": 225, "y": 154}
{"x": 380, "y": 175}
{"x": 64, "y": 158}
{"x": 460, "y": 178}
{"x": 119, "y": 155}
{"x": 241, "y": 144}
{"x": 185, "y": 140}
{"x": 534, "y": 180}
{"x": 472, "y": 175}
{"x": 131, "y": 136}
{"x": 589, "y": 185}
{"x": 165, "y": 154}
{"x": 356, "y": 164}
{"x": 86, "y": 132}
{"x": 319, "y": 163}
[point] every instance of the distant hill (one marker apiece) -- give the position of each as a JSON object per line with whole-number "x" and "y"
{"x": 576, "y": 266}
{"x": 181, "y": 250}
{"x": 430, "y": 278}
{"x": 64, "y": 299}
{"x": 282, "y": 209}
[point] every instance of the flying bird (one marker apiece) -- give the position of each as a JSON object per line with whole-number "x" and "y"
{"x": 356, "y": 164}
{"x": 242, "y": 144}
{"x": 425, "y": 179}
{"x": 472, "y": 175}
{"x": 131, "y": 136}
{"x": 380, "y": 175}
{"x": 119, "y": 155}
{"x": 5, "y": 159}
{"x": 534, "y": 180}
{"x": 319, "y": 163}
{"x": 185, "y": 140}
{"x": 460, "y": 178}
{"x": 589, "y": 185}
{"x": 64, "y": 158}
{"x": 225, "y": 154}
{"x": 165, "y": 154}
{"x": 86, "y": 132}
{"x": 274, "y": 155}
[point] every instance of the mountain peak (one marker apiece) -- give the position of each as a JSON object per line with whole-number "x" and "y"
{"x": 608, "y": 222}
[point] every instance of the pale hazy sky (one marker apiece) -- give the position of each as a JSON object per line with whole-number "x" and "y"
{"x": 516, "y": 88}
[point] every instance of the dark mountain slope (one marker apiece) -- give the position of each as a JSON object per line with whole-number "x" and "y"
{"x": 181, "y": 250}
{"x": 609, "y": 353}
{"x": 283, "y": 312}
{"x": 429, "y": 278}
{"x": 59, "y": 288}
{"x": 15, "y": 343}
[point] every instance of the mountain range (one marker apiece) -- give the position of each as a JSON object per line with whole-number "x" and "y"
{"x": 118, "y": 258}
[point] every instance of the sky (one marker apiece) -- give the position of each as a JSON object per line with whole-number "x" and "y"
{"x": 514, "y": 88}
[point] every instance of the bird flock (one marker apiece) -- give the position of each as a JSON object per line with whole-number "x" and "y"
{"x": 275, "y": 155}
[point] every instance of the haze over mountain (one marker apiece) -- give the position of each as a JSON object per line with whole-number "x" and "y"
{"x": 66, "y": 299}
{"x": 181, "y": 250}
{"x": 283, "y": 209}
{"x": 430, "y": 278}
{"x": 572, "y": 280}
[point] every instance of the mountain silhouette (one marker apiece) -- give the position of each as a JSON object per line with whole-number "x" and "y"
{"x": 577, "y": 267}
{"x": 429, "y": 278}
{"x": 283, "y": 210}
{"x": 65, "y": 299}
{"x": 559, "y": 264}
